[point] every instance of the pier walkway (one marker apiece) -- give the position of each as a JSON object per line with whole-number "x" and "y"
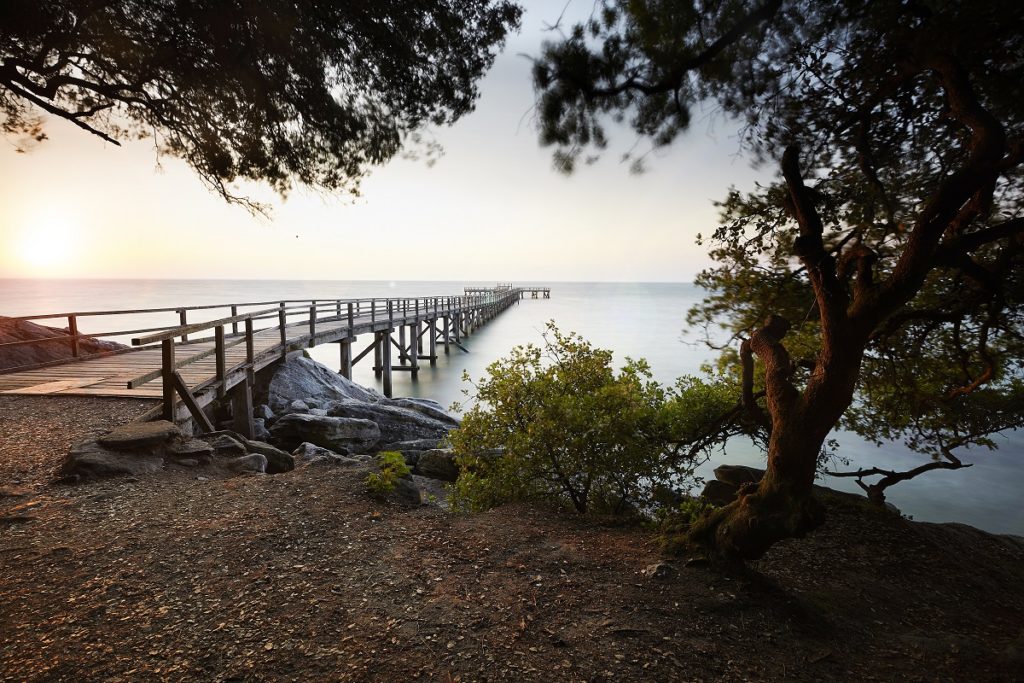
{"x": 188, "y": 366}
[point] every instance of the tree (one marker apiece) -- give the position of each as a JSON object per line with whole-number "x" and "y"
{"x": 894, "y": 233}
{"x": 573, "y": 430}
{"x": 273, "y": 91}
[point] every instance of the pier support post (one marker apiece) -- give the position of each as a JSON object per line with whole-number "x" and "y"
{"x": 402, "y": 354}
{"x": 432, "y": 331}
{"x": 414, "y": 348}
{"x": 167, "y": 377}
{"x": 386, "y": 361}
{"x": 241, "y": 406}
{"x": 346, "y": 357}
{"x": 447, "y": 333}
{"x": 379, "y": 341}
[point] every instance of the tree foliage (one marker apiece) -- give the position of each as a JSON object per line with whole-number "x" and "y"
{"x": 560, "y": 423}
{"x": 272, "y": 91}
{"x": 878, "y": 281}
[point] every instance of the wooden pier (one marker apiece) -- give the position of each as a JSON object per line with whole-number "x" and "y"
{"x": 543, "y": 292}
{"x": 190, "y": 365}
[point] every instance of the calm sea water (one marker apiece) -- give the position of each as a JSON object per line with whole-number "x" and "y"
{"x": 637, "y": 320}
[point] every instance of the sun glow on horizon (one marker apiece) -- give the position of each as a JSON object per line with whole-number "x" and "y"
{"x": 45, "y": 243}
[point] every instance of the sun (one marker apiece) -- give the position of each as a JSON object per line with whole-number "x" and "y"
{"x": 46, "y": 241}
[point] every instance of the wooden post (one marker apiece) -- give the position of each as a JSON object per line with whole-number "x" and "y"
{"x": 222, "y": 363}
{"x": 183, "y": 320}
{"x": 167, "y": 377}
{"x": 432, "y": 331}
{"x": 73, "y": 330}
{"x": 447, "y": 332}
{"x": 414, "y": 348}
{"x": 312, "y": 325}
{"x": 386, "y": 361}
{"x": 351, "y": 320}
{"x": 378, "y": 355}
{"x": 234, "y": 325}
{"x": 282, "y": 318}
{"x": 241, "y": 406}
{"x": 402, "y": 355}
{"x": 250, "y": 344}
{"x": 346, "y": 357}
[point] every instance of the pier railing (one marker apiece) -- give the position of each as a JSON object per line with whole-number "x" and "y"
{"x": 270, "y": 310}
{"x": 269, "y": 330}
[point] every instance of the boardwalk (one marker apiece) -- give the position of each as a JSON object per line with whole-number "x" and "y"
{"x": 189, "y": 366}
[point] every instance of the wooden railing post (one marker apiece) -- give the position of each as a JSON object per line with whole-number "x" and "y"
{"x": 282, "y": 318}
{"x": 350, "y": 319}
{"x": 222, "y": 363}
{"x": 73, "y": 330}
{"x": 234, "y": 325}
{"x": 312, "y": 325}
{"x": 167, "y": 377}
{"x": 183, "y": 319}
{"x": 250, "y": 343}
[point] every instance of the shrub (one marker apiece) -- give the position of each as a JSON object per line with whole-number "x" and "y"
{"x": 572, "y": 429}
{"x": 392, "y": 468}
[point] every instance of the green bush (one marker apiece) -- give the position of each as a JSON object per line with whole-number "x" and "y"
{"x": 572, "y": 429}
{"x": 392, "y": 468}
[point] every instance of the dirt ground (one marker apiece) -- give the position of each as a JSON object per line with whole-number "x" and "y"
{"x": 301, "y": 577}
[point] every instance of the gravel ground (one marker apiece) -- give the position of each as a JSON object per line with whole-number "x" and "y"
{"x": 37, "y": 431}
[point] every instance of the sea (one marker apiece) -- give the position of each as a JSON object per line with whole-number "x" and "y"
{"x": 635, "y": 320}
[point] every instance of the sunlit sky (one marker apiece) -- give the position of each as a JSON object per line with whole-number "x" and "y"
{"x": 492, "y": 208}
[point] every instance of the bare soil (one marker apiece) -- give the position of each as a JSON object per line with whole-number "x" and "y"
{"x": 301, "y": 577}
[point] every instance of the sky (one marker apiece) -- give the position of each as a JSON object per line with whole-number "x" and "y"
{"x": 491, "y": 208}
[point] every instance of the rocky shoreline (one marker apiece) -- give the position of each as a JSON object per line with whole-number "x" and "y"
{"x": 308, "y": 415}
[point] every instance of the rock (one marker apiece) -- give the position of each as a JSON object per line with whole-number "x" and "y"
{"x": 263, "y": 412}
{"x": 32, "y": 354}
{"x": 661, "y": 571}
{"x": 92, "y": 459}
{"x": 224, "y": 444}
{"x": 277, "y": 460}
{"x": 330, "y": 432}
{"x": 139, "y": 435}
{"x": 395, "y": 423}
{"x": 438, "y": 463}
{"x": 317, "y": 411}
{"x": 190, "y": 448}
{"x": 738, "y": 475}
{"x": 435, "y": 491}
{"x": 718, "y": 493}
{"x": 308, "y": 451}
{"x": 187, "y": 462}
{"x": 411, "y": 445}
{"x": 431, "y": 409}
{"x": 333, "y": 461}
{"x": 411, "y": 450}
{"x": 406, "y": 492}
{"x": 254, "y": 462}
{"x": 298, "y": 377}
{"x": 297, "y": 406}
{"x": 259, "y": 429}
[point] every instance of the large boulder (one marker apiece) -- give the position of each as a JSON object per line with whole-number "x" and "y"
{"x": 91, "y": 459}
{"x": 139, "y": 435}
{"x": 411, "y": 450}
{"x": 738, "y": 475}
{"x": 277, "y": 460}
{"x": 428, "y": 407}
{"x": 332, "y": 432}
{"x": 12, "y": 330}
{"x": 316, "y": 456}
{"x": 438, "y": 463}
{"x": 301, "y": 378}
{"x": 395, "y": 422}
